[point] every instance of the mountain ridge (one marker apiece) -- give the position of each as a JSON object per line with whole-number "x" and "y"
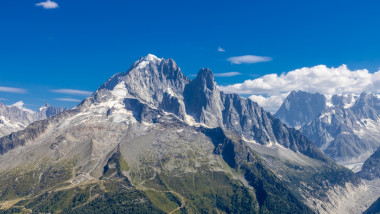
{"x": 16, "y": 117}
{"x": 127, "y": 115}
{"x": 345, "y": 129}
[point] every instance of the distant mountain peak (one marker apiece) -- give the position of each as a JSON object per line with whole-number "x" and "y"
{"x": 206, "y": 78}
{"x": 45, "y": 106}
{"x": 344, "y": 126}
{"x": 301, "y": 107}
{"x": 143, "y": 62}
{"x": 16, "y": 117}
{"x": 151, "y": 57}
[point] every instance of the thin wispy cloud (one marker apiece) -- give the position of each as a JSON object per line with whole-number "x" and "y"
{"x": 12, "y": 90}
{"x": 72, "y": 92}
{"x": 220, "y": 49}
{"x": 227, "y": 74}
{"x": 48, "y": 4}
{"x": 271, "y": 89}
{"x": 248, "y": 59}
{"x": 2, "y": 98}
{"x": 68, "y": 100}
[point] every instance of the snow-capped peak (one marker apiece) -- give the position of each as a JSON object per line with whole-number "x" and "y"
{"x": 45, "y": 106}
{"x": 151, "y": 57}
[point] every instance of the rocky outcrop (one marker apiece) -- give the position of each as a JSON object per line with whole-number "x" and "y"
{"x": 300, "y": 107}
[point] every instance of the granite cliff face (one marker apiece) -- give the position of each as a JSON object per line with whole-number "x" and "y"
{"x": 346, "y": 129}
{"x": 154, "y": 136}
{"x": 300, "y": 107}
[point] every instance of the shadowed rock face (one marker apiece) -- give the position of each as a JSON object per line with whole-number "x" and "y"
{"x": 160, "y": 130}
{"x": 300, "y": 107}
{"x": 374, "y": 208}
{"x": 371, "y": 167}
{"x": 203, "y": 100}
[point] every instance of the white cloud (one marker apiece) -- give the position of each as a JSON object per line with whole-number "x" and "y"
{"x": 319, "y": 78}
{"x": 271, "y": 103}
{"x": 2, "y": 98}
{"x": 72, "y": 92}
{"x": 12, "y": 90}
{"x": 227, "y": 74}
{"x": 68, "y": 100}
{"x": 248, "y": 59}
{"x": 220, "y": 49}
{"x": 20, "y": 105}
{"x": 48, "y": 4}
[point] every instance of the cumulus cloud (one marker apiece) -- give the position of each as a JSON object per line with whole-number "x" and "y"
{"x": 319, "y": 78}
{"x": 227, "y": 74}
{"x": 72, "y": 92}
{"x": 220, "y": 49}
{"x": 12, "y": 90}
{"x": 271, "y": 103}
{"x": 248, "y": 59}
{"x": 47, "y": 4}
{"x": 20, "y": 104}
{"x": 68, "y": 99}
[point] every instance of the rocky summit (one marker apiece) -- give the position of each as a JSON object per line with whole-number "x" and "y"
{"x": 151, "y": 140}
{"x": 299, "y": 108}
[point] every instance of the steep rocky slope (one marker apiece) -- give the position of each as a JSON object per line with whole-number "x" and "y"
{"x": 348, "y": 135}
{"x": 374, "y": 208}
{"x": 347, "y": 129}
{"x": 152, "y": 140}
{"x": 371, "y": 167}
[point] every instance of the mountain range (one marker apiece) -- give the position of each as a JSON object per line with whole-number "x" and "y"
{"x": 345, "y": 127}
{"x": 151, "y": 140}
{"x": 15, "y": 117}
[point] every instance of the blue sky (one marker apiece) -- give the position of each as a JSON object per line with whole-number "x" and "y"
{"x": 81, "y": 43}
